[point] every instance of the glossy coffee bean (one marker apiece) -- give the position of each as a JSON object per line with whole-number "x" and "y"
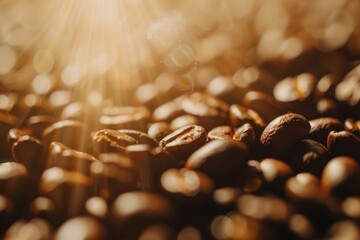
{"x": 124, "y": 117}
{"x": 64, "y": 132}
{"x": 343, "y": 144}
{"x": 352, "y": 126}
{"x": 221, "y": 132}
{"x": 140, "y": 137}
{"x": 283, "y": 132}
{"x": 159, "y": 130}
{"x": 309, "y": 156}
{"x": 219, "y": 158}
{"x": 133, "y": 212}
{"x": 245, "y": 134}
{"x": 7, "y": 122}
{"x": 240, "y": 115}
{"x": 108, "y": 140}
{"x": 340, "y": 177}
{"x": 184, "y": 141}
{"x": 321, "y": 127}
{"x": 15, "y": 133}
{"x": 184, "y": 120}
{"x": 38, "y": 123}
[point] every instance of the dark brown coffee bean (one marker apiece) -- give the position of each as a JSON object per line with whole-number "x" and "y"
{"x": 29, "y": 151}
{"x": 86, "y": 228}
{"x": 343, "y": 144}
{"x": 187, "y": 188}
{"x": 240, "y": 115}
{"x": 352, "y": 126}
{"x": 140, "y": 137}
{"x": 184, "y": 120}
{"x": 245, "y": 134}
{"x": 265, "y": 105}
{"x": 124, "y": 117}
{"x": 184, "y": 141}
{"x": 108, "y": 140}
{"x": 7, "y": 122}
{"x": 133, "y": 212}
{"x": 38, "y": 123}
{"x": 341, "y": 177}
{"x": 309, "y": 156}
{"x": 211, "y": 111}
{"x": 69, "y": 159}
{"x": 321, "y": 127}
{"x": 15, "y": 133}
{"x": 72, "y": 133}
{"x": 219, "y": 158}
{"x": 221, "y": 132}
{"x": 159, "y": 130}
{"x": 275, "y": 173}
{"x": 168, "y": 111}
{"x": 222, "y": 88}
{"x": 283, "y": 132}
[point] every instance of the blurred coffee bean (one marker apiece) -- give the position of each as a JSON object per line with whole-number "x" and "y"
{"x": 15, "y": 133}
{"x": 124, "y": 117}
{"x": 159, "y": 130}
{"x": 133, "y": 212}
{"x": 219, "y": 158}
{"x": 184, "y": 141}
{"x": 69, "y": 159}
{"x": 29, "y": 151}
{"x": 352, "y": 126}
{"x": 345, "y": 229}
{"x": 148, "y": 95}
{"x": 304, "y": 186}
{"x": 325, "y": 87}
{"x": 158, "y": 232}
{"x": 68, "y": 190}
{"x": 222, "y": 88}
{"x": 108, "y": 140}
{"x": 168, "y": 85}
{"x": 140, "y": 137}
{"x": 35, "y": 229}
{"x": 211, "y": 111}
{"x": 183, "y": 120}
{"x": 302, "y": 226}
{"x": 226, "y": 197}
{"x": 42, "y": 207}
{"x": 168, "y": 111}
{"x": 97, "y": 207}
{"x": 343, "y": 144}
{"x": 321, "y": 127}
{"x": 309, "y": 156}
{"x": 326, "y": 107}
{"x": 240, "y": 115}
{"x": 245, "y": 134}
{"x": 38, "y": 123}
{"x": 265, "y": 105}
{"x": 284, "y": 132}
{"x": 341, "y": 176}
{"x": 221, "y": 132}
{"x": 350, "y": 207}
{"x": 346, "y": 93}
{"x": 7, "y": 122}
{"x": 275, "y": 174}
{"x": 83, "y": 227}
{"x": 64, "y": 132}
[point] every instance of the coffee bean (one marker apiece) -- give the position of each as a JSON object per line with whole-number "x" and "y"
{"x": 183, "y": 120}
{"x": 15, "y": 133}
{"x": 7, "y": 122}
{"x": 97, "y": 207}
{"x": 140, "y": 137}
{"x": 343, "y": 144}
{"x": 346, "y": 93}
{"x": 352, "y": 126}
{"x": 304, "y": 186}
{"x": 240, "y": 115}
{"x": 168, "y": 111}
{"x": 219, "y": 158}
{"x": 326, "y": 107}
{"x": 309, "y": 156}
{"x": 184, "y": 141}
{"x": 222, "y": 88}
{"x": 321, "y": 127}
{"x": 245, "y": 134}
{"x": 37, "y": 227}
{"x": 38, "y": 123}
{"x": 148, "y": 95}
{"x": 345, "y": 229}
{"x": 283, "y": 132}
{"x": 159, "y": 130}
{"x": 326, "y": 86}
{"x": 221, "y": 132}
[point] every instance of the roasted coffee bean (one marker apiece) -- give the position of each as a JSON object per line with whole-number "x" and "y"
{"x": 226, "y": 197}
{"x": 83, "y": 227}
{"x": 341, "y": 177}
{"x": 97, "y": 207}
{"x": 133, "y": 212}
{"x": 108, "y": 140}
{"x": 309, "y": 156}
{"x": 183, "y": 120}
{"x": 159, "y": 130}
{"x": 168, "y": 84}
{"x": 283, "y": 132}
{"x": 221, "y": 132}
{"x": 343, "y": 144}
{"x": 350, "y": 207}
{"x": 211, "y": 111}
{"x": 29, "y": 151}
{"x": 275, "y": 174}
{"x": 304, "y": 186}
{"x": 345, "y": 229}
{"x": 148, "y": 95}
{"x": 7, "y": 122}
{"x": 42, "y": 207}
{"x": 124, "y": 117}
{"x": 38, "y": 123}
{"x": 187, "y": 188}
{"x": 321, "y": 127}
{"x": 184, "y": 141}
{"x": 240, "y": 115}
{"x": 219, "y": 158}
{"x": 168, "y": 111}
{"x": 222, "y": 88}
{"x": 326, "y": 107}
{"x": 161, "y": 231}
{"x": 140, "y": 137}
{"x": 64, "y": 132}
{"x": 325, "y": 88}
{"x": 35, "y": 228}
{"x": 352, "y": 126}
{"x": 15, "y": 133}
{"x": 346, "y": 93}
{"x": 265, "y": 105}
{"x": 68, "y": 190}
{"x": 245, "y": 134}
{"x": 69, "y": 159}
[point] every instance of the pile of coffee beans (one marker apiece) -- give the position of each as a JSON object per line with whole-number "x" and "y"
{"x": 259, "y": 154}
